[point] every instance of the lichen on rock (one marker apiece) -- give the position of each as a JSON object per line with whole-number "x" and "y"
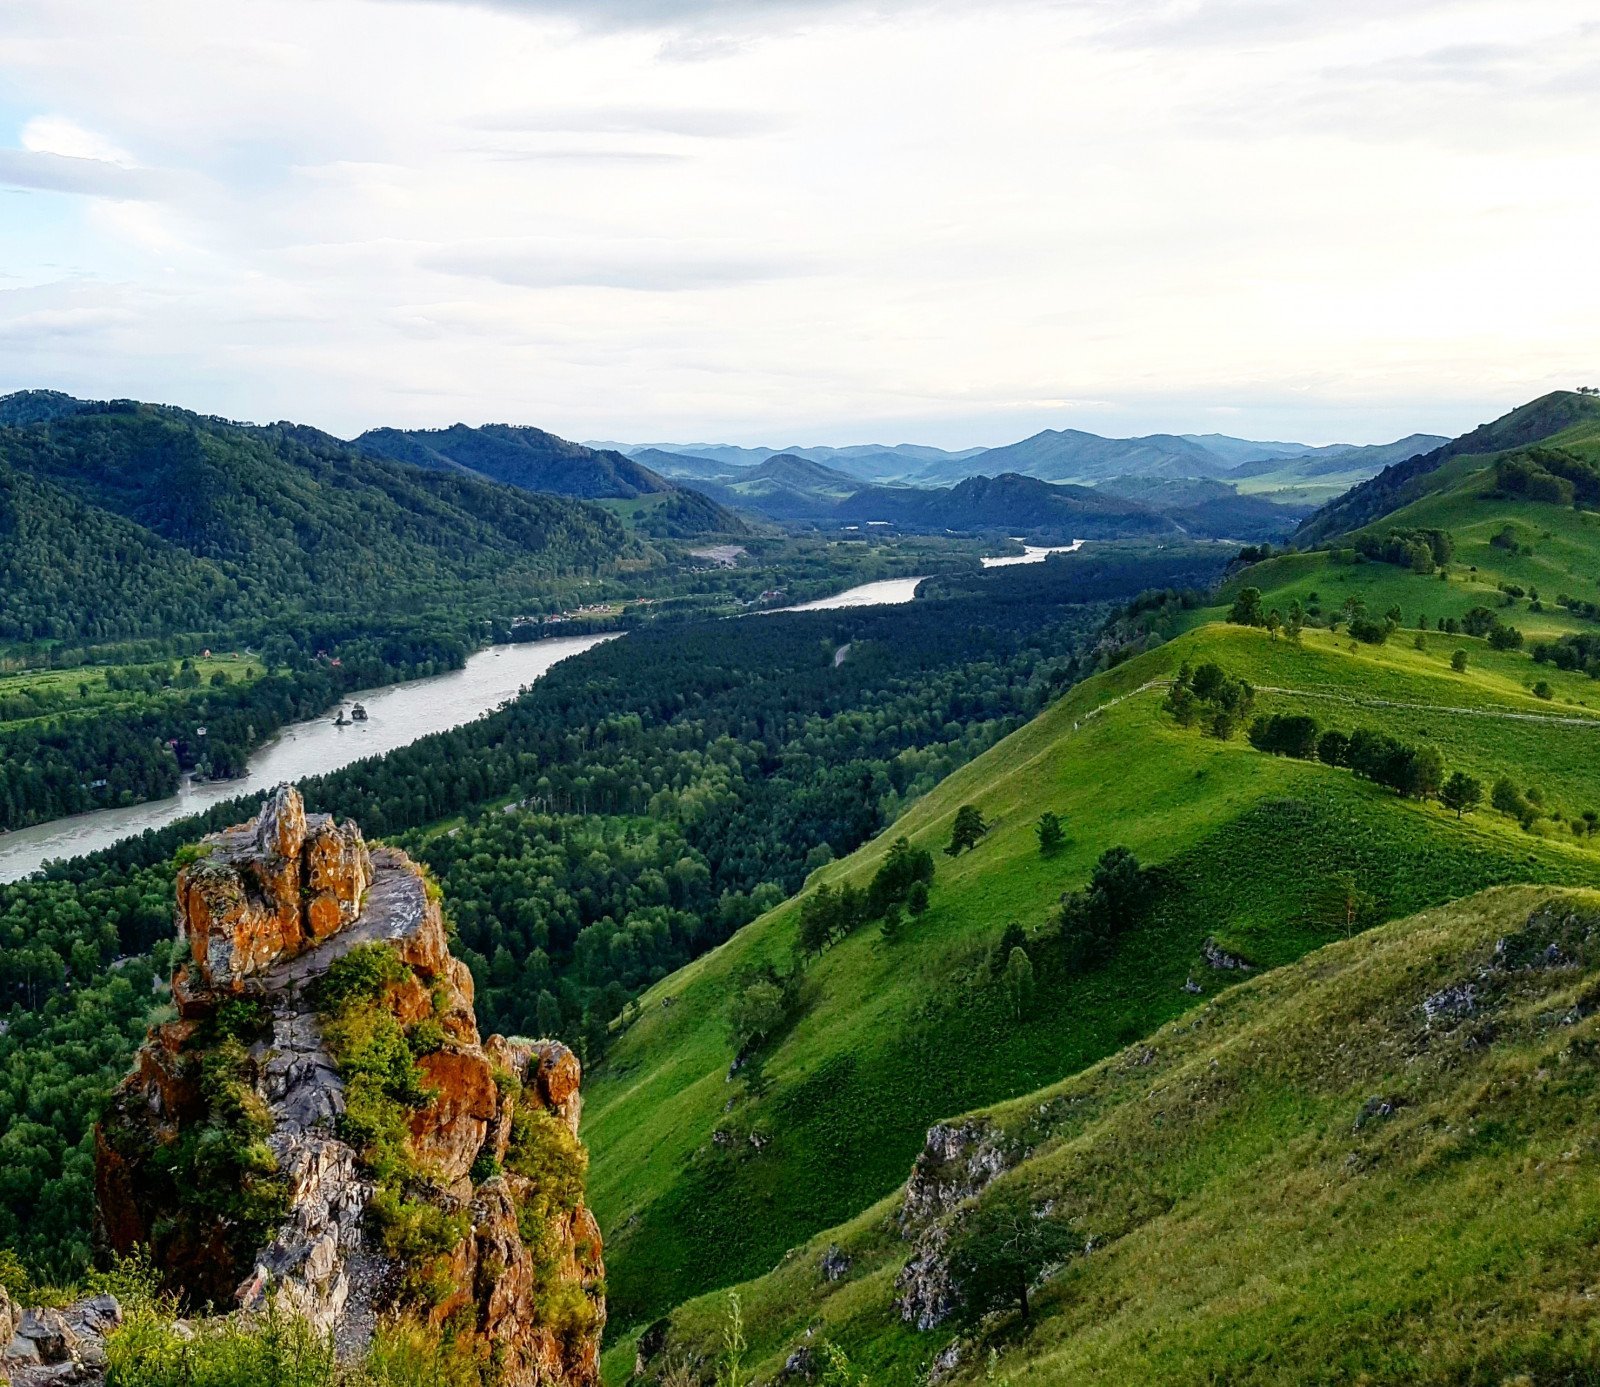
{"x": 322, "y": 1128}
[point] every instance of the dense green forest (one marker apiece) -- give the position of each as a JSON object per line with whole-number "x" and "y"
{"x": 226, "y": 523}
{"x": 631, "y": 810}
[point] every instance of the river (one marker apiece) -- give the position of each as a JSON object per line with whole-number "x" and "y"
{"x": 396, "y": 716}
{"x": 1033, "y": 554}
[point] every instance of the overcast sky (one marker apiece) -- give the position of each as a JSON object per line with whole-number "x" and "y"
{"x": 805, "y": 221}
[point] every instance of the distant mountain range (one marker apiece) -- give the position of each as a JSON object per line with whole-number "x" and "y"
{"x": 1054, "y": 455}
{"x": 1059, "y": 483}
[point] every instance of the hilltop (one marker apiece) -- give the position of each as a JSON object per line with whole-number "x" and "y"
{"x": 1404, "y": 481}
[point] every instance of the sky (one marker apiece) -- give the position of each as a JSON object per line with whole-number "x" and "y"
{"x": 805, "y": 221}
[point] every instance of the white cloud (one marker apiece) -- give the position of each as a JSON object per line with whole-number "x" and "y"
{"x": 55, "y": 135}
{"x": 936, "y": 219}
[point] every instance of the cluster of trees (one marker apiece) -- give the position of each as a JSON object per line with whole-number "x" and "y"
{"x": 1418, "y": 772}
{"x": 1572, "y": 652}
{"x": 1118, "y": 896}
{"x": 1420, "y": 550}
{"x": 900, "y": 884}
{"x": 1210, "y": 697}
{"x": 1552, "y": 475}
{"x": 1249, "y": 609}
{"x": 1486, "y": 625}
{"x": 564, "y": 919}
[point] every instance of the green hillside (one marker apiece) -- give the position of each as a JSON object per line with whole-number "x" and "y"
{"x": 1371, "y": 1166}
{"x": 1252, "y": 848}
{"x": 1403, "y": 482}
{"x": 703, "y": 1177}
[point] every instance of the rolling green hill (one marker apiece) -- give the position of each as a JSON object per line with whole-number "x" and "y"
{"x": 1371, "y": 1166}
{"x": 892, "y": 1038}
{"x": 1403, "y": 482}
{"x": 703, "y": 1178}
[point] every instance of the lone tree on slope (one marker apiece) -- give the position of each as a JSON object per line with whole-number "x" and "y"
{"x": 1003, "y": 1245}
{"x": 967, "y": 829}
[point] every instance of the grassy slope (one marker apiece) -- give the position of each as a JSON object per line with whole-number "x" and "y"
{"x": 890, "y": 1040}
{"x": 889, "y": 1043}
{"x": 1565, "y": 558}
{"x": 1249, "y": 1230}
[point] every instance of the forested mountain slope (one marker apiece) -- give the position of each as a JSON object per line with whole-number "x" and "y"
{"x": 1008, "y": 503}
{"x": 1373, "y": 1165}
{"x": 252, "y": 523}
{"x": 533, "y": 460}
{"x": 517, "y": 456}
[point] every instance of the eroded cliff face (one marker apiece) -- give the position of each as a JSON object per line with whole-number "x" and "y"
{"x": 322, "y": 1125}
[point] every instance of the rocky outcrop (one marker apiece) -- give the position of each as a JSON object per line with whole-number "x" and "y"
{"x": 1219, "y": 958}
{"x": 231, "y": 1151}
{"x": 958, "y": 1161}
{"x": 48, "y": 1347}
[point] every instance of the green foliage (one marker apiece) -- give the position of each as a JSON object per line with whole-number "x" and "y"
{"x": 1000, "y": 1248}
{"x": 1247, "y": 609}
{"x": 1117, "y": 896}
{"x": 1211, "y": 697}
{"x": 1050, "y": 833}
{"x": 1286, "y": 734}
{"x": 375, "y": 1057}
{"x": 358, "y": 979}
{"x": 1461, "y": 792}
{"x": 966, "y": 830}
{"x": 277, "y": 1347}
{"x": 1019, "y": 980}
{"x": 903, "y": 868}
{"x": 418, "y": 1236}
{"x": 757, "y": 1011}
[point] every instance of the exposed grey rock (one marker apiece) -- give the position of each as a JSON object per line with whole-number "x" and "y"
{"x": 802, "y": 1363}
{"x": 1219, "y": 958}
{"x": 946, "y": 1362}
{"x": 925, "y": 1291}
{"x": 305, "y": 1266}
{"x": 1451, "y": 1003}
{"x": 957, "y": 1160}
{"x": 1376, "y": 1109}
{"x": 835, "y": 1264}
{"x": 58, "y": 1348}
